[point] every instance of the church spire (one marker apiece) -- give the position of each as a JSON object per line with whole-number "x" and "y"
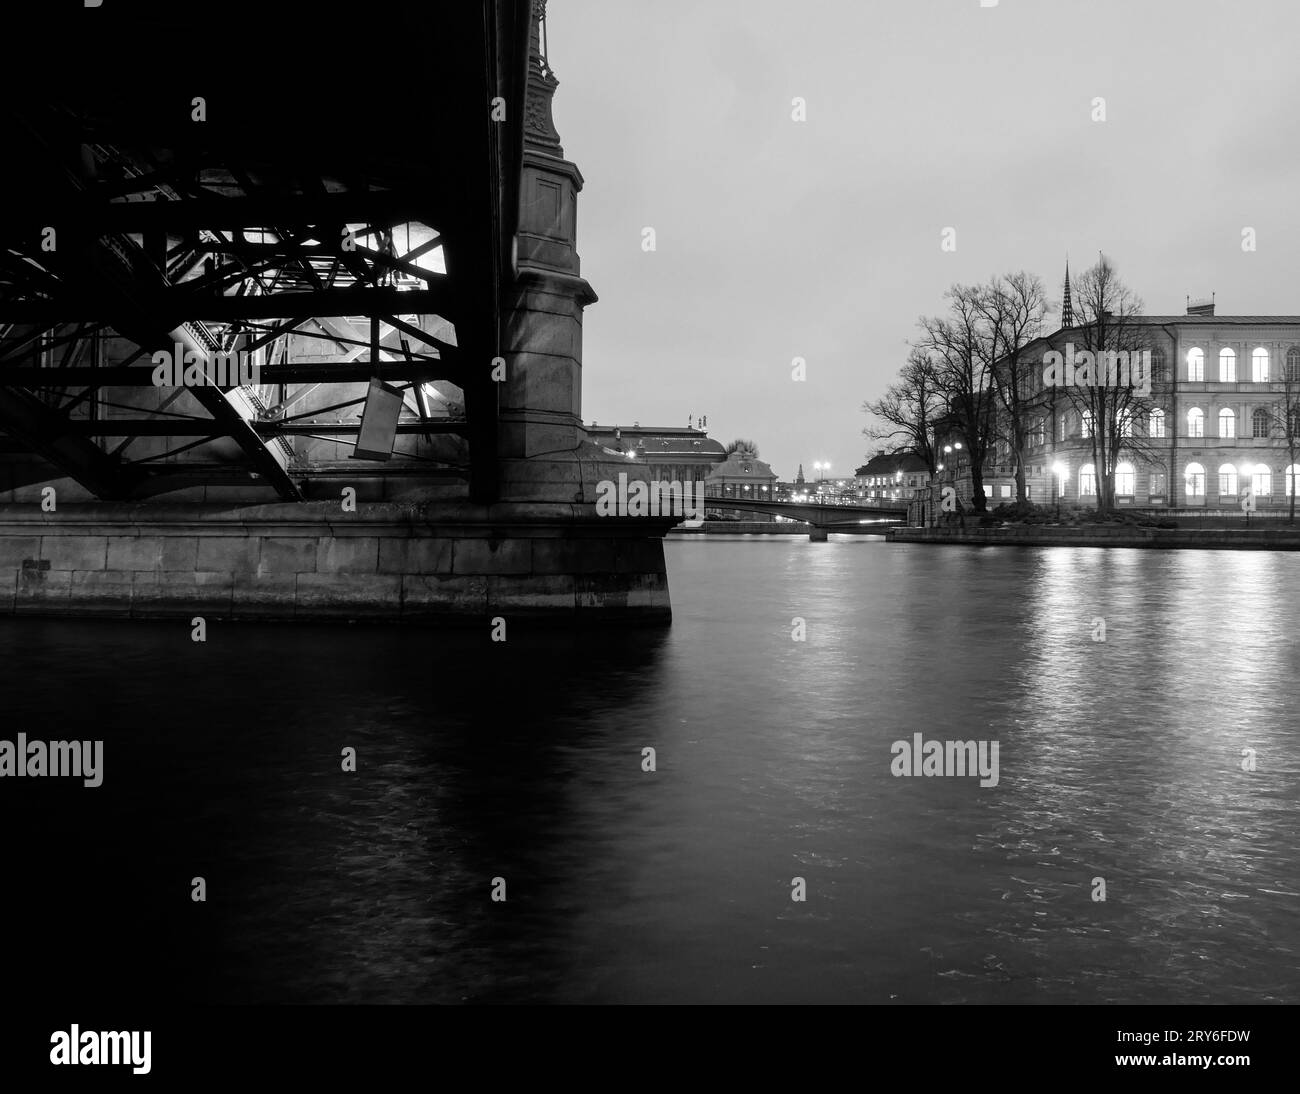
{"x": 1067, "y": 309}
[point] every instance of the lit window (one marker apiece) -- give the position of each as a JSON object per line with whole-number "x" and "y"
{"x": 1259, "y": 422}
{"x": 1157, "y": 487}
{"x": 1156, "y": 425}
{"x": 1006, "y": 490}
{"x": 1227, "y": 423}
{"x": 1291, "y": 472}
{"x": 1195, "y": 365}
{"x": 1087, "y": 481}
{"x": 1195, "y": 422}
{"x": 1195, "y": 479}
{"x": 1228, "y": 479}
{"x": 1125, "y": 479}
{"x": 1227, "y": 366}
{"x": 1259, "y": 365}
{"x": 1261, "y": 480}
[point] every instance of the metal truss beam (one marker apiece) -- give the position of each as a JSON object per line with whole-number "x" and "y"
{"x": 352, "y": 372}
{"x": 174, "y": 306}
{"x": 50, "y": 435}
{"x": 205, "y": 427}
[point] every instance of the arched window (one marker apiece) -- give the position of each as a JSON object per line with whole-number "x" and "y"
{"x": 1196, "y": 365}
{"x": 1156, "y": 423}
{"x": 1291, "y": 472}
{"x": 1259, "y": 365}
{"x": 1196, "y": 422}
{"x": 1261, "y": 480}
{"x": 1087, "y": 481}
{"x": 1227, "y": 423}
{"x": 1227, "y": 366}
{"x": 1293, "y": 364}
{"x": 1228, "y": 479}
{"x": 1088, "y": 423}
{"x": 1195, "y": 479}
{"x": 1125, "y": 479}
{"x": 1259, "y": 422}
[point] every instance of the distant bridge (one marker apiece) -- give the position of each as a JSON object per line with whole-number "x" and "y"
{"x": 824, "y": 512}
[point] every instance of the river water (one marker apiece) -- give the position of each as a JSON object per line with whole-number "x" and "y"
{"x": 1119, "y": 760}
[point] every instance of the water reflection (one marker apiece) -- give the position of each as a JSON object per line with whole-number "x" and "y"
{"x": 523, "y": 760}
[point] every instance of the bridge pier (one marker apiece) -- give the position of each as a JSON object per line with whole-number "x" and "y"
{"x": 817, "y": 535}
{"x": 448, "y": 563}
{"x": 394, "y": 539}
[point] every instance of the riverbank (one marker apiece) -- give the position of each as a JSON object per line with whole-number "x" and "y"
{"x": 1107, "y": 535}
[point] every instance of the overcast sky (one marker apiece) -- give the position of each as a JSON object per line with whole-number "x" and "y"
{"x": 778, "y": 239}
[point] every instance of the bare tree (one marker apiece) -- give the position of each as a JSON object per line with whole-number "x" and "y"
{"x": 1286, "y": 425}
{"x": 1014, "y": 309}
{"x": 740, "y": 443}
{"x": 1108, "y": 324}
{"x": 960, "y": 345}
{"x": 908, "y": 410}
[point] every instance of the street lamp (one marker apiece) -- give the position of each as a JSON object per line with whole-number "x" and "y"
{"x": 1060, "y": 471}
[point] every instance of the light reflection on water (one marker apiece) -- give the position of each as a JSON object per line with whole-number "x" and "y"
{"x": 1118, "y": 760}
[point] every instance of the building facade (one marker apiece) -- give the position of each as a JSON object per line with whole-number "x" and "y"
{"x": 1212, "y": 430}
{"x": 653, "y": 453}
{"x": 891, "y": 476}
{"x": 741, "y": 475}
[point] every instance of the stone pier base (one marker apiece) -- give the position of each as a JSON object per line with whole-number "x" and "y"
{"x": 428, "y": 562}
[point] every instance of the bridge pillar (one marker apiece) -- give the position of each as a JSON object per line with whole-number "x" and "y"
{"x": 549, "y": 471}
{"x": 544, "y": 451}
{"x": 817, "y": 535}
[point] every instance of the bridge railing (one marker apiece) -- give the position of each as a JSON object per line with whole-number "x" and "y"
{"x": 713, "y": 494}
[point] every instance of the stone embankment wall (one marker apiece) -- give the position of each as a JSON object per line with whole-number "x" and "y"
{"x": 430, "y": 563}
{"x": 1263, "y": 539}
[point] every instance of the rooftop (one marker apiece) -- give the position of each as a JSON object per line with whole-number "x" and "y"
{"x": 887, "y": 463}
{"x": 656, "y": 440}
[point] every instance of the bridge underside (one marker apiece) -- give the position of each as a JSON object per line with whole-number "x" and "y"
{"x": 333, "y": 204}
{"x": 372, "y": 218}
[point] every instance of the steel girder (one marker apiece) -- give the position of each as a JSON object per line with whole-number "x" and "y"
{"x": 263, "y": 219}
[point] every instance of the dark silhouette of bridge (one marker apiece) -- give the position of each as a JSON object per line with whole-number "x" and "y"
{"x": 392, "y": 253}
{"x": 824, "y": 513}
